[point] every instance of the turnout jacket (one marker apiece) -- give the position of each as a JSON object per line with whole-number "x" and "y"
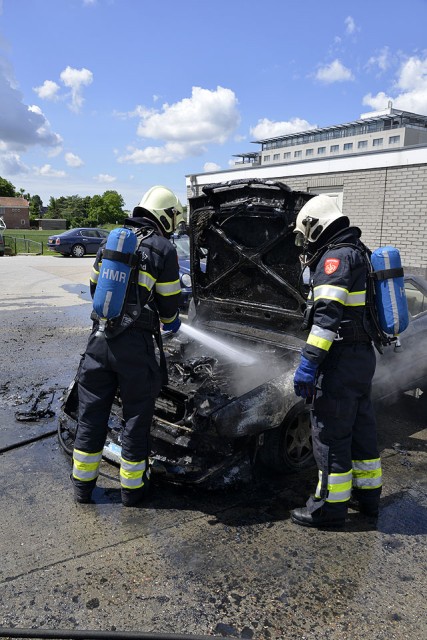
{"x": 337, "y": 295}
{"x": 156, "y": 279}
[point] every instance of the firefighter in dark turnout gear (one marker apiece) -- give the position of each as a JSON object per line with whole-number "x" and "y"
{"x": 126, "y": 359}
{"x": 337, "y": 367}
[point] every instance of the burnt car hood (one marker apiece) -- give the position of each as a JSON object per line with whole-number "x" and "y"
{"x": 252, "y": 273}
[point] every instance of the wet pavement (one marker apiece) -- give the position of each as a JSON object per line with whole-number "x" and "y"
{"x": 226, "y": 563}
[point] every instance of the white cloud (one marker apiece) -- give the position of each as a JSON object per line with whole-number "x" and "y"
{"x": 334, "y": 72}
{"x": 166, "y": 154}
{"x": 382, "y": 60}
{"x": 72, "y": 160}
{"x": 11, "y": 163}
{"x": 350, "y": 25}
{"x": 208, "y": 116}
{"x": 211, "y": 166}
{"x": 73, "y": 79}
{"x": 410, "y": 88}
{"x": 269, "y": 129}
{"x": 21, "y": 126}
{"x": 55, "y": 151}
{"x": 76, "y": 79}
{"x": 47, "y": 171}
{"x": 48, "y": 90}
{"x": 104, "y": 178}
{"x": 186, "y": 127}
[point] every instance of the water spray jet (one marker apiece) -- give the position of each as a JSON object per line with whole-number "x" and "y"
{"x": 218, "y": 345}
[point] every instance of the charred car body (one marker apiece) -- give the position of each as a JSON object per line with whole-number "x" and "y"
{"x": 222, "y": 409}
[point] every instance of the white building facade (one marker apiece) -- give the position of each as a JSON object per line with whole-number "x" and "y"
{"x": 381, "y": 188}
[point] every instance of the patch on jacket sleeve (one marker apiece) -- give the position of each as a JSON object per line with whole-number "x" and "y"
{"x": 331, "y": 265}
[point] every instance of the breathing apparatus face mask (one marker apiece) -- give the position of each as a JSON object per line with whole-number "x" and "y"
{"x": 303, "y": 239}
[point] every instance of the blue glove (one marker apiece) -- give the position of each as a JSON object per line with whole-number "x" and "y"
{"x": 172, "y": 326}
{"x": 305, "y": 378}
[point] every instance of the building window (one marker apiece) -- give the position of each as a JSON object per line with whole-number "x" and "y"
{"x": 276, "y": 156}
{"x": 266, "y": 158}
{"x": 394, "y": 140}
{"x": 309, "y": 152}
{"x": 377, "y": 142}
{"x": 348, "y": 146}
{"x": 297, "y": 154}
{"x": 335, "y": 148}
{"x": 286, "y": 155}
{"x": 321, "y": 151}
{"x": 362, "y": 144}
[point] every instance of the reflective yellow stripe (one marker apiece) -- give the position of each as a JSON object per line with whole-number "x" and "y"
{"x": 321, "y": 338}
{"x": 168, "y": 288}
{"x": 94, "y": 276}
{"x": 339, "y": 486}
{"x": 374, "y": 463}
{"x": 356, "y": 299}
{"x": 341, "y": 295}
{"x": 166, "y": 320}
{"x": 146, "y": 280}
{"x": 367, "y": 474}
{"x": 86, "y": 465}
{"x": 329, "y": 292}
{"x": 321, "y": 343}
{"x": 132, "y": 473}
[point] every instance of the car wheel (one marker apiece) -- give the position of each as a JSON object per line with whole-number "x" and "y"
{"x": 78, "y": 251}
{"x": 289, "y": 448}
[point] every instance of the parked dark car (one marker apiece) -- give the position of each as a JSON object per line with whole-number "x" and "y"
{"x": 77, "y": 242}
{"x": 225, "y": 407}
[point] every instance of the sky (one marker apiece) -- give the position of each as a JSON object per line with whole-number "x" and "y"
{"x": 126, "y": 94}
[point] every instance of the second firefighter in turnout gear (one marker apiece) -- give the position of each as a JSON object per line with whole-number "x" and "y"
{"x": 125, "y": 359}
{"x": 337, "y": 366}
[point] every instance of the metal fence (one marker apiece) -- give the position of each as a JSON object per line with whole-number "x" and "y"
{"x": 23, "y": 246}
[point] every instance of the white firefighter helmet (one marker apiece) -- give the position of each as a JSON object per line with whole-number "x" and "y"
{"x": 164, "y": 205}
{"x": 316, "y": 216}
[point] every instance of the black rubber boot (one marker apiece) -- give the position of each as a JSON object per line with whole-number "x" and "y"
{"x": 83, "y": 490}
{"x": 133, "y": 497}
{"x": 366, "y": 505}
{"x": 319, "y": 518}
{"x": 321, "y": 514}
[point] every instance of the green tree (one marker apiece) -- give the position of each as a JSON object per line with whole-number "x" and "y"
{"x": 7, "y": 190}
{"x": 107, "y": 209}
{"x": 22, "y": 194}
{"x": 36, "y": 205}
{"x": 53, "y": 208}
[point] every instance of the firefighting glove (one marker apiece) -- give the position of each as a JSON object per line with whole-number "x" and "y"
{"x": 305, "y": 378}
{"x": 172, "y": 326}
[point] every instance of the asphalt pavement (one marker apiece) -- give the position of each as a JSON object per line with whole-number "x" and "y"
{"x": 224, "y": 564}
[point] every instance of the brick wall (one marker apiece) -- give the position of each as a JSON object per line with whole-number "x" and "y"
{"x": 389, "y": 205}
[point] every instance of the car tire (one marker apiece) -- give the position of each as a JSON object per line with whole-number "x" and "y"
{"x": 289, "y": 448}
{"x": 78, "y": 251}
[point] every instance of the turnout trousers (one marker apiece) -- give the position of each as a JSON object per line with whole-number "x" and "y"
{"x": 344, "y": 431}
{"x": 126, "y": 362}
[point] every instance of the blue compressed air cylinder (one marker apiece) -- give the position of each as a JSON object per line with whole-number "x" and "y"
{"x": 390, "y": 294}
{"x": 110, "y": 292}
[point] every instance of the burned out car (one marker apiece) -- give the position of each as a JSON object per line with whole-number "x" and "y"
{"x": 230, "y": 399}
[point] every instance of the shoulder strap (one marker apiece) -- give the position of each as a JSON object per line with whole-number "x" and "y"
{"x": 379, "y": 337}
